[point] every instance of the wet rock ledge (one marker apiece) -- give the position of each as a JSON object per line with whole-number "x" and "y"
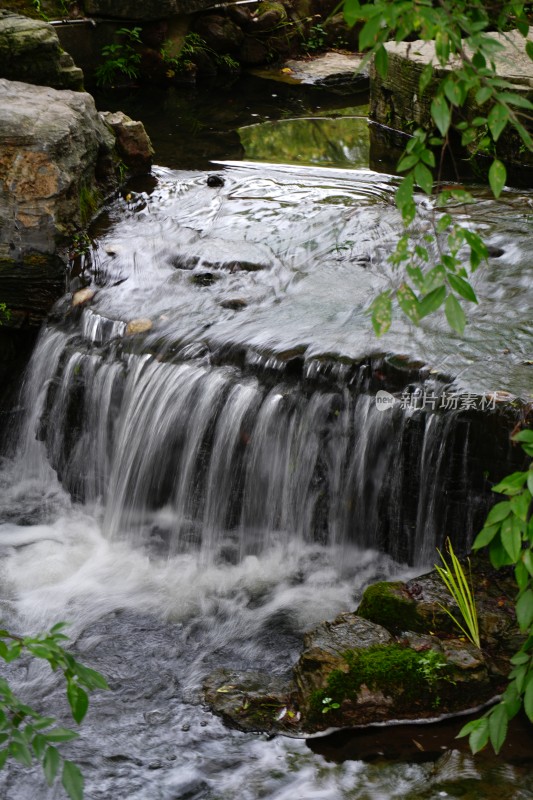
{"x": 397, "y": 658}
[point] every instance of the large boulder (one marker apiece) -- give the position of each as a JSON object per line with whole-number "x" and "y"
{"x": 399, "y": 658}
{"x": 396, "y": 101}
{"x": 56, "y": 163}
{"x": 30, "y": 51}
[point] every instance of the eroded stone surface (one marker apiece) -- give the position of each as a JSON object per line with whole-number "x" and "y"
{"x": 30, "y": 51}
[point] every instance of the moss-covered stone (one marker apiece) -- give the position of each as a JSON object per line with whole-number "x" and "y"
{"x": 390, "y": 605}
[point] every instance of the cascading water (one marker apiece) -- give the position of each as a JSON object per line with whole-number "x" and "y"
{"x": 202, "y": 493}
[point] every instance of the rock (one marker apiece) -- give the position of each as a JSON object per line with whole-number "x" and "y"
{"x": 339, "y": 34}
{"x": 253, "y": 51}
{"x": 140, "y": 325}
{"x": 55, "y": 166}
{"x": 133, "y": 144}
{"x": 215, "y": 180}
{"x": 333, "y": 70}
{"x": 82, "y": 296}
{"x": 252, "y": 701}
{"x": 401, "y": 666}
{"x": 220, "y": 33}
{"x": 268, "y": 17}
{"x": 30, "y": 51}
{"x": 241, "y": 16}
{"x": 143, "y": 10}
{"x": 324, "y": 648}
{"x": 395, "y": 100}
{"x": 235, "y": 304}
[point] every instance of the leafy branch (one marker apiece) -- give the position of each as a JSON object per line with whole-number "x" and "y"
{"x": 465, "y": 51}
{"x": 26, "y": 735}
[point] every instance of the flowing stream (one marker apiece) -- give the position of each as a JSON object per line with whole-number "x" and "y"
{"x": 202, "y": 492}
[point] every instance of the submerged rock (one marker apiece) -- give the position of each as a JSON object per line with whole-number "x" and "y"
{"x": 140, "y": 325}
{"x": 82, "y": 296}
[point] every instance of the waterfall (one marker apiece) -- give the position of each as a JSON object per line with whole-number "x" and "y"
{"x": 192, "y": 457}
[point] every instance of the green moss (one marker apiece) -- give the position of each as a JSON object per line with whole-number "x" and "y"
{"x": 89, "y": 201}
{"x": 409, "y": 677}
{"x": 384, "y": 604}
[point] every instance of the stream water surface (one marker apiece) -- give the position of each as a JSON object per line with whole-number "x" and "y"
{"x": 201, "y": 493}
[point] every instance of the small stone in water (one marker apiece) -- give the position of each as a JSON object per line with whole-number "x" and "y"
{"x": 185, "y": 727}
{"x": 82, "y": 296}
{"x": 215, "y": 180}
{"x": 138, "y": 326}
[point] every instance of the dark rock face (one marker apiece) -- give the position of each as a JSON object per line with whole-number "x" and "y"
{"x": 146, "y": 10}
{"x": 30, "y": 52}
{"x": 220, "y": 33}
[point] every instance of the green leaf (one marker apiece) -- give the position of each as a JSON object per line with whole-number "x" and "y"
{"x": 51, "y": 764}
{"x": 516, "y": 100}
{"x": 479, "y": 735}
{"x": 528, "y": 700}
{"x": 520, "y": 504}
{"x": 4, "y": 755}
{"x": 408, "y": 302}
{"x": 369, "y": 34}
{"x": 425, "y": 78}
{"x": 454, "y": 92}
{"x": 72, "y": 780}
{"x": 497, "y": 177}
{"x": 431, "y": 301}
{"x": 462, "y": 288}
{"x": 498, "y": 722}
{"x": 497, "y": 120}
{"x": 407, "y": 162}
{"x": 483, "y": 94}
{"x": 404, "y": 198}
{"x": 444, "y": 222}
{"x": 499, "y": 557}
{"x": 381, "y": 61}
{"x": 381, "y": 313}
{"x": 78, "y": 701}
{"x": 498, "y": 512}
{"x": 20, "y": 751}
{"x": 39, "y": 745}
{"x": 511, "y": 538}
{"x": 511, "y": 484}
{"x": 523, "y": 436}
{"x": 60, "y": 735}
{"x": 524, "y": 610}
{"x": 530, "y": 481}
{"x": 529, "y": 49}
{"x": 424, "y": 178}
{"x": 441, "y": 113}
{"x": 428, "y": 157}
{"x": 455, "y": 314}
{"x": 485, "y": 536}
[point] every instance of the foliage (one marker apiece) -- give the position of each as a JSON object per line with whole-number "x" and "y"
{"x": 437, "y": 272}
{"x": 121, "y": 59}
{"x": 192, "y": 45}
{"x": 454, "y": 578}
{"x": 316, "y": 39}
{"x": 437, "y": 266}
{"x": 399, "y": 672}
{"x": 26, "y": 735}
{"x": 508, "y": 533}
{"x": 5, "y": 313}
